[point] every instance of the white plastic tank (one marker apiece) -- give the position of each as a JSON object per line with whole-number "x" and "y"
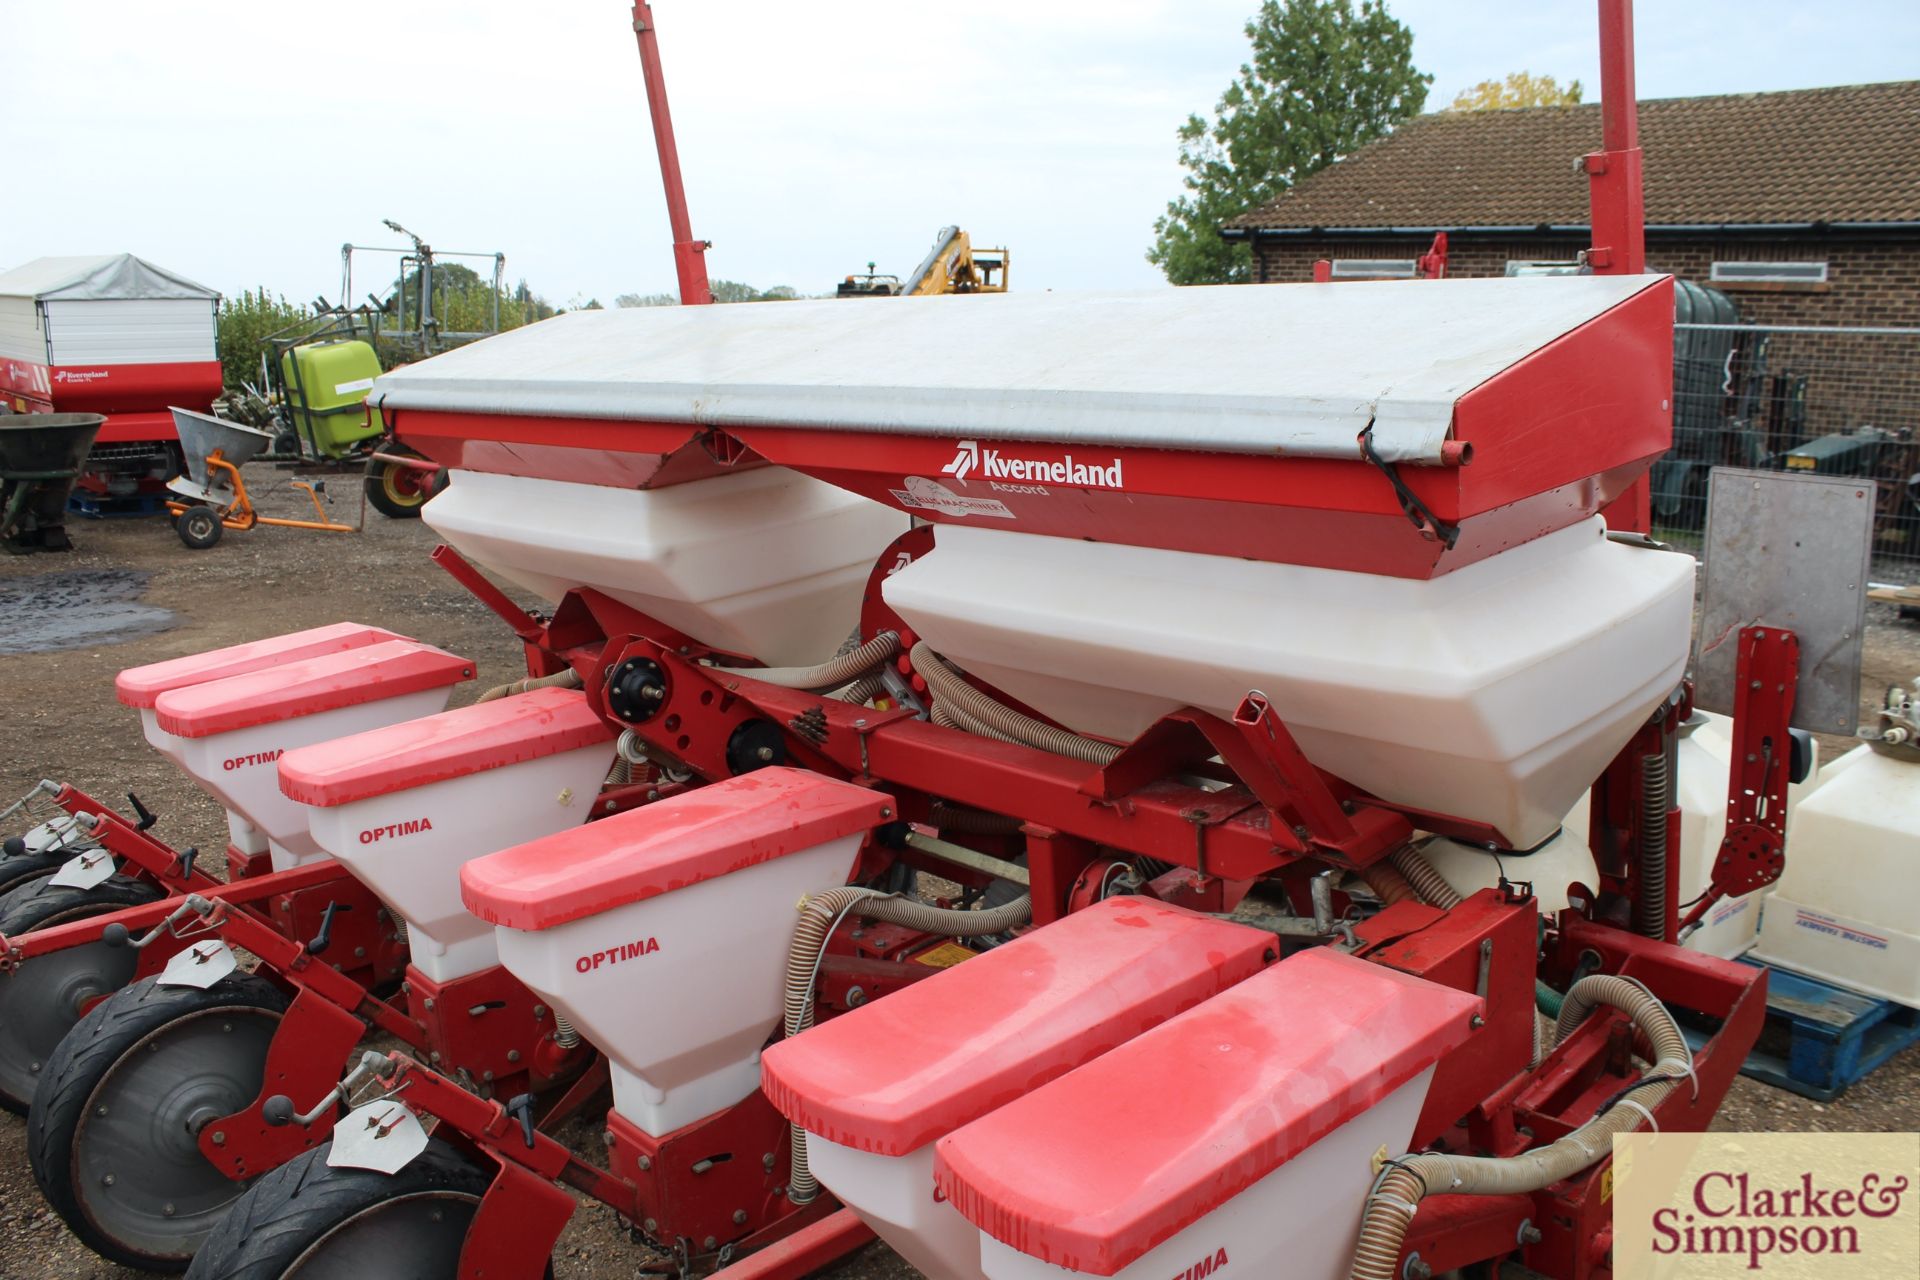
{"x": 766, "y": 563}
{"x": 1702, "y": 758}
{"x": 1495, "y": 693}
{"x": 1550, "y": 868}
{"x": 1847, "y": 907}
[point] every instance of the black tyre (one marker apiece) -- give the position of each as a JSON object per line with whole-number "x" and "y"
{"x": 198, "y": 527}
{"x": 42, "y": 999}
{"x": 398, "y": 491}
{"x": 306, "y": 1221}
{"x": 113, "y": 1135}
{"x": 17, "y": 866}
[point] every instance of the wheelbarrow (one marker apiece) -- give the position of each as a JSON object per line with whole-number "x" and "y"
{"x": 40, "y": 454}
{"x": 215, "y": 493}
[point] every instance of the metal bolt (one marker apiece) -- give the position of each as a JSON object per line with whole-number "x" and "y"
{"x": 1476, "y": 1022}
{"x": 646, "y": 1163}
{"x": 430, "y": 1004}
{"x": 739, "y": 1217}
{"x": 886, "y": 811}
{"x": 650, "y": 1226}
{"x": 1529, "y": 1234}
{"x": 107, "y": 1181}
{"x": 539, "y": 1012}
{"x": 359, "y": 953}
{"x": 100, "y": 1110}
{"x": 860, "y": 723}
{"x": 766, "y": 1162}
{"x": 167, "y": 1209}
{"x": 764, "y": 753}
{"x": 709, "y": 1243}
{"x": 434, "y": 1056}
{"x": 1416, "y": 1269}
{"x": 219, "y": 1137}
{"x": 486, "y": 1077}
{"x": 513, "y": 1055}
{"x": 607, "y": 1138}
{"x": 855, "y": 997}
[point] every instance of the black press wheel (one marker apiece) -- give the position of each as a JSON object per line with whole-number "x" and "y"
{"x": 113, "y": 1135}
{"x": 17, "y": 865}
{"x": 306, "y": 1221}
{"x": 400, "y": 491}
{"x": 198, "y": 527}
{"x": 42, "y": 999}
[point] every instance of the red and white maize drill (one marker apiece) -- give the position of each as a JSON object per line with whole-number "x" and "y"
{"x": 1075, "y": 918}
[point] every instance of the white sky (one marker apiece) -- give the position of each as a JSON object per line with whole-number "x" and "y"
{"x": 241, "y": 143}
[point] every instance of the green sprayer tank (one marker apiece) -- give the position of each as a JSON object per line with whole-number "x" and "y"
{"x": 327, "y": 384}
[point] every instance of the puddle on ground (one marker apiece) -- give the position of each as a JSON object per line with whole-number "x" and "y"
{"x": 52, "y": 611}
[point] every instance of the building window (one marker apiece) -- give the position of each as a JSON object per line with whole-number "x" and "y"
{"x": 1768, "y": 273}
{"x": 1374, "y": 269}
{"x": 1519, "y": 267}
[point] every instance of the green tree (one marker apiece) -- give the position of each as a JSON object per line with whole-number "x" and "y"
{"x": 246, "y": 322}
{"x": 1326, "y": 77}
{"x": 1518, "y": 90}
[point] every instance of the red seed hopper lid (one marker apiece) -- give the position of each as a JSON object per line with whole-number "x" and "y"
{"x": 667, "y": 845}
{"x": 309, "y": 687}
{"x": 1238, "y": 1086}
{"x": 142, "y": 686}
{"x": 898, "y": 1073}
{"x": 413, "y": 753}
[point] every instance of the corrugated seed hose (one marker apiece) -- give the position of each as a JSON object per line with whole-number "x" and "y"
{"x": 834, "y": 672}
{"x": 1428, "y": 883}
{"x": 1397, "y": 1193}
{"x": 1388, "y": 884}
{"x": 819, "y": 913}
{"x": 967, "y": 704}
{"x": 568, "y": 679}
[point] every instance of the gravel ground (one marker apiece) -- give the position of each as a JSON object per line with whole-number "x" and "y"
{"x": 60, "y": 720}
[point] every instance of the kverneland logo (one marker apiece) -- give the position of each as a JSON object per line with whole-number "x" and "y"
{"x": 259, "y": 757}
{"x": 394, "y": 830}
{"x": 1205, "y": 1267}
{"x": 78, "y": 375}
{"x": 992, "y": 464}
{"x": 625, "y": 951}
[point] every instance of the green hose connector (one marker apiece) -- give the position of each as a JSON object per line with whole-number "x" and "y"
{"x": 1547, "y": 999}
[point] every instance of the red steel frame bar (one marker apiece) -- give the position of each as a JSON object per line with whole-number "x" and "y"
{"x": 1616, "y": 199}
{"x": 689, "y": 255}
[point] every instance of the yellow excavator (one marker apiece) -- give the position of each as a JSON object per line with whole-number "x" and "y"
{"x": 952, "y": 266}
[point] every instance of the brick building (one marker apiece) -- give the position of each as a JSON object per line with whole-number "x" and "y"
{"x": 1804, "y": 205}
{"x": 1802, "y": 208}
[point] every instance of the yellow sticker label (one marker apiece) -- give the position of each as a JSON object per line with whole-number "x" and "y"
{"x": 944, "y": 956}
{"x": 1606, "y": 1184}
{"x": 1784, "y": 1206}
{"x": 1800, "y": 462}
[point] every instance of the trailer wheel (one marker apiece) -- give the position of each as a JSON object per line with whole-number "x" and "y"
{"x": 42, "y": 999}
{"x": 198, "y": 527}
{"x": 398, "y": 491}
{"x": 307, "y": 1221}
{"x": 113, "y": 1136}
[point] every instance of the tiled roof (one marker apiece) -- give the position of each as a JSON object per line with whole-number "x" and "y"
{"x": 1849, "y": 154}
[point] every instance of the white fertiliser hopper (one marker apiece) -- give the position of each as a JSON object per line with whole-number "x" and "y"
{"x": 1495, "y": 693}
{"x": 766, "y": 563}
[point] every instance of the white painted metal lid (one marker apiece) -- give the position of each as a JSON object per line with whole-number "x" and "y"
{"x": 1289, "y": 369}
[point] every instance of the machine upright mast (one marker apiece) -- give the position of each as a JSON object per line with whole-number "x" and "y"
{"x": 689, "y": 255}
